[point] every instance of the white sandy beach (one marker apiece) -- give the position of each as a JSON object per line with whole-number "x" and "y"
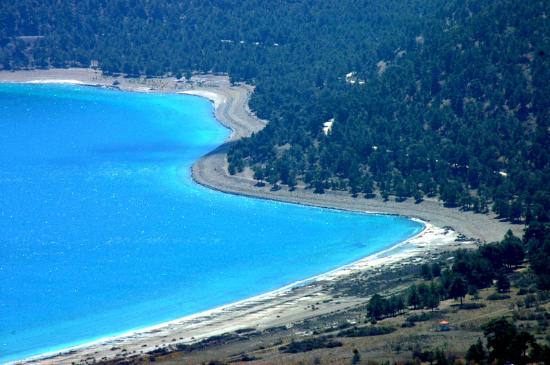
{"x": 286, "y": 305}
{"x": 216, "y": 98}
{"x": 280, "y": 307}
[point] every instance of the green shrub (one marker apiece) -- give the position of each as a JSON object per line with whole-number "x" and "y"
{"x": 366, "y": 331}
{"x": 310, "y": 344}
{"x": 498, "y": 296}
{"x": 422, "y": 317}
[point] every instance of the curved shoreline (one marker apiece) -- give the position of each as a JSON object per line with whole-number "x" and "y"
{"x": 52, "y": 357}
{"x": 211, "y": 171}
{"x": 231, "y": 109}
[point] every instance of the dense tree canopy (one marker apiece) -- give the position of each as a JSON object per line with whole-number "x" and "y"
{"x": 437, "y": 98}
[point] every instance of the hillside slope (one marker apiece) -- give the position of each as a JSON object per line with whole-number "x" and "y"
{"x": 437, "y": 98}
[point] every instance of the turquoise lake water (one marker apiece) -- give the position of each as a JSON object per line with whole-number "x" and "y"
{"x": 103, "y": 231}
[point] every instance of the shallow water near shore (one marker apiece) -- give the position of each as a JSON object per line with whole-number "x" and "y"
{"x": 102, "y": 229}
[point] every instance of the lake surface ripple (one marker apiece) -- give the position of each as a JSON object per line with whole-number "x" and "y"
{"x": 102, "y": 229}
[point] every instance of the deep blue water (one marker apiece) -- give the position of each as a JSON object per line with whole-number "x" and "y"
{"x": 103, "y": 231}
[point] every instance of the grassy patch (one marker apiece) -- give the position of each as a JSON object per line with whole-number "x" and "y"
{"x": 498, "y": 296}
{"x": 469, "y": 306}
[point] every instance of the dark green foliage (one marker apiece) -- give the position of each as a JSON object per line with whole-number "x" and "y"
{"x": 458, "y": 289}
{"x": 440, "y": 358}
{"x": 379, "y": 307}
{"x": 479, "y": 268}
{"x": 434, "y": 121}
{"x": 522, "y": 291}
{"x": 416, "y": 296}
{"x": 511, "y": 249}
{"x": 529, "y": 301}
{"x": 424, "y": 296}
{"x": 436, "y": 269}
{"x": 245, "y": 330}
{"x": 449, "y": 98}
{"x": 366, "y": 331}
{"x": 436, "y": 357}
{"x": 503, "y": 283}
{"x": 310, "y": 344}
{"x": 426, "y": 272}
{"x": 476, "y": 353}
{"x": 246, "y": 358}
{"x": 413, "y": 297}
{"x": 537, "y": 240}
{"x": 507, "y": 344}
{"x": 476, "y": 269}
{"x": 422, "y": 317}
{"x": 208, "y": 342}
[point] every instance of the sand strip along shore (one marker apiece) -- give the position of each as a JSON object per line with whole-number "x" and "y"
{"x": 286, "y": 305}
{"x": 281, "y": 307}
